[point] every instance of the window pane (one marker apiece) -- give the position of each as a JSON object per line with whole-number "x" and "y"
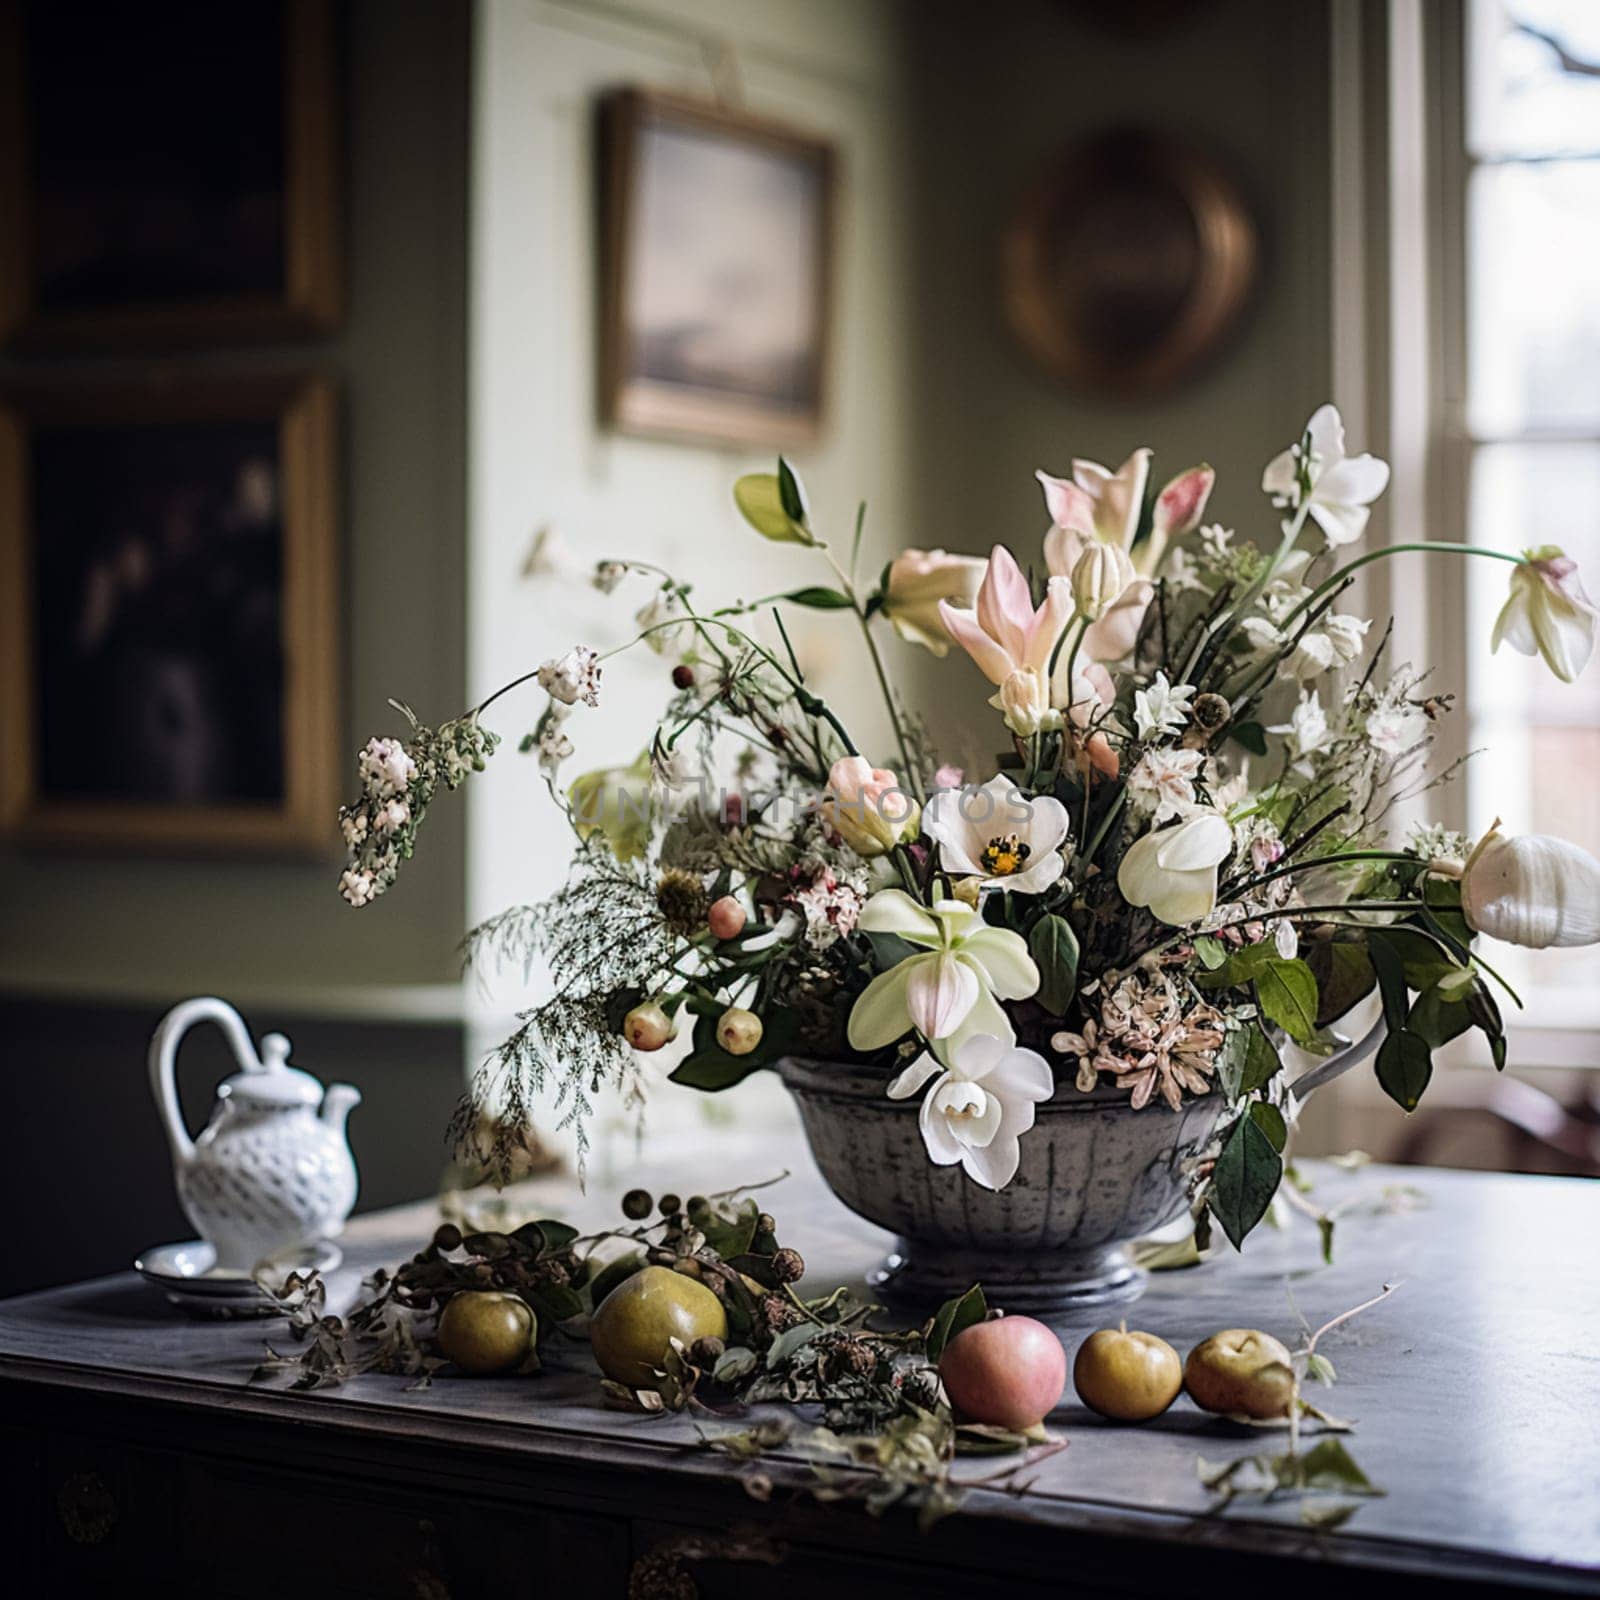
{"x": 1533, "y": 336}
{"x": 1523, "y": 99}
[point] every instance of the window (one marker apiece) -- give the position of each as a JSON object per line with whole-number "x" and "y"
{"x": 1528, "y": 433}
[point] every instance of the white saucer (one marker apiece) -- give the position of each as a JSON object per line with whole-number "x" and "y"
{"x": 188, "y": 1276}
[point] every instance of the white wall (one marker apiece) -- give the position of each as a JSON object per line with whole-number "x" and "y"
{"x": 538, "y": 457}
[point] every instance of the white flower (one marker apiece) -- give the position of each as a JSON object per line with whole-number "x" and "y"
{"x": 953, "y": 988}
{"x": 1024, "y": 702}
{"x": 1161, "y": 707}
{"x": 977, "y": 1108}
{"x": 1215, "y": 539}
{"x": 918, "y": 580}
{"x": 385, "y": 768}
{"x": 1181, "y": 572}
{"x": 608, "y": 574}
{"x": 1535, "y": 891}
{"x": 392, "y": 816}
{"x": 1336, "y": 643}
{"x": 357, "y": 886}
{"x": 1231, "y": 793}
{"x": 1174, "y": 872}
{"x": 1165, "y": 779}
{"x": 353, "y": 823}
{"x": 658, "y": 620}
{"x": 1393, "y": 730}
{"x": 1547, "y": 613}
{"x": 572, "y": 677}
{"x": 999, "y": 836}
{"x": 1306, "y": 730}
{"x": 1341, "y": 487}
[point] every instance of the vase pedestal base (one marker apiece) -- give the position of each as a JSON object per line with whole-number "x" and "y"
{"x": 920, "y": 1278}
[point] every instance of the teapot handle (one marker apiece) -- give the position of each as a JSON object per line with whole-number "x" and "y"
{"x": 164, "y": 1056}
{"x": 1350, "y": 1054}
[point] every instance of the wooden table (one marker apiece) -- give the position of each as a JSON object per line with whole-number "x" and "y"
{"x": 135, "y": 1448}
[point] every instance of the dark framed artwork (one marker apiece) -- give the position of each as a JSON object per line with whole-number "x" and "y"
{"x": 167, "y": 615}
{"x": 715, "y": 274}
{"x": 169, "y": 174}
{"x": 1130, "y": 264}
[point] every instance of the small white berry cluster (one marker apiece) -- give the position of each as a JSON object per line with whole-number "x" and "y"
{"x": 398, "y": 780}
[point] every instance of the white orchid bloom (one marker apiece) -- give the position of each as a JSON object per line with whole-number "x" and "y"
{"x": 998, "y": 836}
{"x": 1174, "y": 872}
{"x": 918, "y": 580}
{"x": 1547, "y": 613}
{"x": 1342, "y": 487}
{"x": 977, "y": 1109}
{"x": 1164, "y": 779}
{"x": 1535, "y": 891}
{"x": 1161, "y": 707}
{"x": 955, "y": 985}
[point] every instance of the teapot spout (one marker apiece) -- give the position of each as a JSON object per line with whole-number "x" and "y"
{"x": 337, "y": 1104}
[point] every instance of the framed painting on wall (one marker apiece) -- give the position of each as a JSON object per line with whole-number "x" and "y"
{"x": 168, "y": 663}
{"x": 169, "y": 174}
{"x": 716, "y": 266}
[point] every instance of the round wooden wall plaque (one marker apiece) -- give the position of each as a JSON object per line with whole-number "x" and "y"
{"x": 1129, "y": 265}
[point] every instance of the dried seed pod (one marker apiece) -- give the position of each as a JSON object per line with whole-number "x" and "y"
{"x": 766, "y": 1223}
{"x": 779, "y": 1313}
{"x": 1210, "y": 712}
{"x": 788, "y": 1266}
{"x": 706, "y": 1352}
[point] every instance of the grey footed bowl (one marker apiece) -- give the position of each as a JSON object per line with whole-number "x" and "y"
{"x": 1095, "y": 1176}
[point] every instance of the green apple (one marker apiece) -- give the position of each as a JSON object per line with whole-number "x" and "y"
{"x": 636, "y": 1323}
{"x": 485, "y": 1331}
{"x": 1129, "y": 1377}
{"x": 1240, "y": 1372}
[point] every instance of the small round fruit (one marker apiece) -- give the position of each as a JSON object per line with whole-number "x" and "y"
{"x": 485, "y": 1332}
{"x": 726, "y": 918}
{"x": 633, "y": 1329}
{"x": 683, "y": 676}
{"x": 1129, "y": 1377}
{"x": 637, "y": 1205}
{"x": 1009, "y": 1371}
{"x": 447, "y": 1236}
{"x": 1240, "y": 1372}
{"x": 738, "y": 1031}
{"x": 647, "y": 1026}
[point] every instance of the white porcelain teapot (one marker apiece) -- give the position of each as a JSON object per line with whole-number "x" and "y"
{"x": 270, "y": 1171}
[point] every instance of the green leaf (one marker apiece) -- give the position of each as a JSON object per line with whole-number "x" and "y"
{"x": 734, "y": 1363}
{"x": 1245, "y": 1180}
{"x": 1054, "y": 947}
{"x": 1404, "y": 1066}
{"x": 760, "y": 502}
{"x": 729, "y": 1236}
{"x": 1485, "y": 1013}
{"x": 790, "y": 1340}
{"x": 790, "y": 495}
{"x": 1210, "y": 951}
{"x": 1422, "y": 962}
{"x": 1288, "y": 996}
{"x": 953, "y": 1317}
{"x": 1328, "y": 1465}
{"x": 1321, "y": 1368}
{"x": 554, "y": 1302}
{"x": 1251, "y": 735}
{"x": 1261, "y": 1064}
{"x": 557, "y": 1235}
{"x": 1344, "y": 978}
{"x": 1437, "y": 1020}
{"x": 819, "y": 598}
{"x": 1390, "y": 970}
{"x": 1270, "y": 1121}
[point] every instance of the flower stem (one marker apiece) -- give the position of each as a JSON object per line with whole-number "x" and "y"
{"x": 1395, "y": 550}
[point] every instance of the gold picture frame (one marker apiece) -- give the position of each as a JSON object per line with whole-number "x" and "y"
{"x": 1130, "y": 265}
{"x": 169, "y": 667}
{"x": 58, "y": 295}
{"x": 716, "y": 273}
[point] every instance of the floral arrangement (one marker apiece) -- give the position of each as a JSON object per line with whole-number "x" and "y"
{"x": 1179, "y": 860}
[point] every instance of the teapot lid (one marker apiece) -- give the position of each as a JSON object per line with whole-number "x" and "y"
{"x": 275, "y": 1082}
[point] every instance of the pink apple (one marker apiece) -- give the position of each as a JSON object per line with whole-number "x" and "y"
{"x": 1010, "y": 1371}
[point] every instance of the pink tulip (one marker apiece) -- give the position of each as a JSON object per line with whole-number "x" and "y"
{"x": 1178, "y": 510}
